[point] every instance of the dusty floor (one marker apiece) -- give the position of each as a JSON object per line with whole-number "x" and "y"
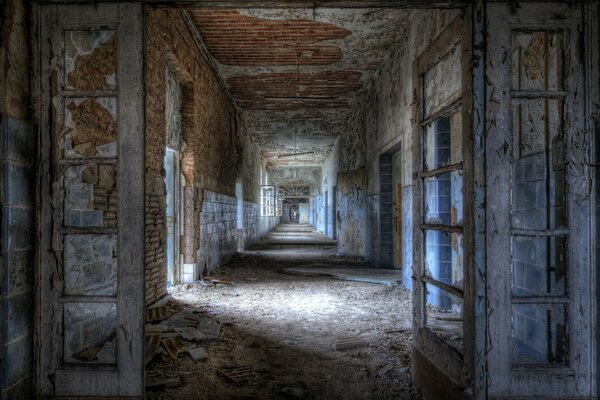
{"x": 284, "y": 328}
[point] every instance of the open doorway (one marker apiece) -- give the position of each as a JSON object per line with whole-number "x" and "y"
{"x": 173, "y": 179}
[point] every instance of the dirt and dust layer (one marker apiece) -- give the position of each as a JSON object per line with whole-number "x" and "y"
{"x": 251, "y": 332}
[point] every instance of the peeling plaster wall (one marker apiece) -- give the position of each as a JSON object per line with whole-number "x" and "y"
{"x": 218, "y": 152}
{"x": 17, "y": 204}
{"x": 382, "y": 120}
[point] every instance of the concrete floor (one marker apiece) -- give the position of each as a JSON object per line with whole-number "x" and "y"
{"x": 284, "y": 329}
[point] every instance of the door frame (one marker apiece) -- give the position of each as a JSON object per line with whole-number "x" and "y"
{"x": 125, "y": 379}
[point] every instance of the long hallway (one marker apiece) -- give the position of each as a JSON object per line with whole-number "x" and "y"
{"x": 284, "y": 328}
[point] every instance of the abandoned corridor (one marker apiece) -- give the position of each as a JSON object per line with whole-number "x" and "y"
{"x": 284, "y": 328}
{"x": 162, "y": 162}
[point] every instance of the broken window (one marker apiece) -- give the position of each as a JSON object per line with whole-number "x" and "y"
{"x": 539, "y": 217}
{"x": 88, "y": 158}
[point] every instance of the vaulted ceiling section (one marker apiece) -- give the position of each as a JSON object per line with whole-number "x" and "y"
{"x": 297, "y": 74}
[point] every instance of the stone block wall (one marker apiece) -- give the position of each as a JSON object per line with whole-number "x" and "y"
{"x": 17, "y": 202}
{"x": 218, "y": 231}
{"x": 251, "y": 223}
{"x": 17, "y": 255}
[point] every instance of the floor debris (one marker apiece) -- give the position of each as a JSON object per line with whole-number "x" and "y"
{"x": 385, "y": 369}
{"x": 281, "y": 331}
{"x": 152, "y": 346}
{"x": 165, "y": 382}
{"x": 198, "y": 354}
{"x": 236, "y": 373}
{"x": 293, "y": 393}
{"x": 209, "y": 329}
{"x": 157, "y": 314}
{"x": 190, "y": 334}
{"x": 173, "y": 346}
{"x": 350, "y": 342}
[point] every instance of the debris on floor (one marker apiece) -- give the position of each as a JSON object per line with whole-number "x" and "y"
{"x": 350, "y": 342}
{"x": 293, "y": 393}
{"x": 284, "y": 336}
{"x": 163, "y": 382}
{"x": 236, "y": 373}
{"x": 198, "y": 354}
{"x": 157, "y": 314}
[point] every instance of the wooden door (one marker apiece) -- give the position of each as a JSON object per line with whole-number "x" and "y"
{"x": 538, "y": 201}
{"x": 88, "y": 79}
{"x": 351, "y": 208}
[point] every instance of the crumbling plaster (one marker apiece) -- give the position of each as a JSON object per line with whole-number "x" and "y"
{"x": 373, "y": 33}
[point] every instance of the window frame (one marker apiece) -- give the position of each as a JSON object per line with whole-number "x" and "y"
{"x": 459, "y": 366}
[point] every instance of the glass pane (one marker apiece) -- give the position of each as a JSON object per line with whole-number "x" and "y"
{"x": 539, "y": 266}
{"x": 90, "y": 263}
{"x": 539, "y": 334}
{"x": 267, "y": 201}
{"x": 90, "y": 333}
{"x": 538, "y": 168}
{"x": 444, "y": 257}
{"x": 444, "y": 199}
{"x": 443, "y": 82}
{"x": 443, "y": 141}
{"x": 90, "y": 127}
{"x": 444, "y": 316}
{"x": 91, "y": 60}
{"x": 90, "y": 196}
{"x": 537, "y": 60}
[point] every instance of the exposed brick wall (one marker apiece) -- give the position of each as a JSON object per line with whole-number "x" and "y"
{"x": 260, "y": 91}
{"x": 236, "y": 39}
{"x": 209, "y": 127}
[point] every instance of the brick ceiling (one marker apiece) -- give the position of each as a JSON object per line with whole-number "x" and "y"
{"x": 297, "y": 74}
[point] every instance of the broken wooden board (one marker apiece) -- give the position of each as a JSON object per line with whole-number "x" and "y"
{"x": 173, "y": 346}
{"x": 350, "y": 342}
{"x": 156, "y": 382}
{"x": 236, "y": 373}
{"x": 157, "y": 314}
{"x": 152, "y": 346}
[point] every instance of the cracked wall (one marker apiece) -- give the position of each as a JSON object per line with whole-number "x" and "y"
{"x": 382, "y": 121}
{"x": 217, "y": 153}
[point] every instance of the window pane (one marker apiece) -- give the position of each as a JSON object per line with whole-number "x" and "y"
{"x": 90, "y": 333}
{"x": 539, "y": 266}
{"x": 538, "y": 166}
{"x": 90, "y": 263}
{"x": 444, "y": 316}
{"x": 267, "y": 201}
{"x": 444, "y": 199}
{"x": 443, "y": 141}
{"x": 539, "y": 334}
{"x": 444, "y": 257}
{"x": 537, "y": 60}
